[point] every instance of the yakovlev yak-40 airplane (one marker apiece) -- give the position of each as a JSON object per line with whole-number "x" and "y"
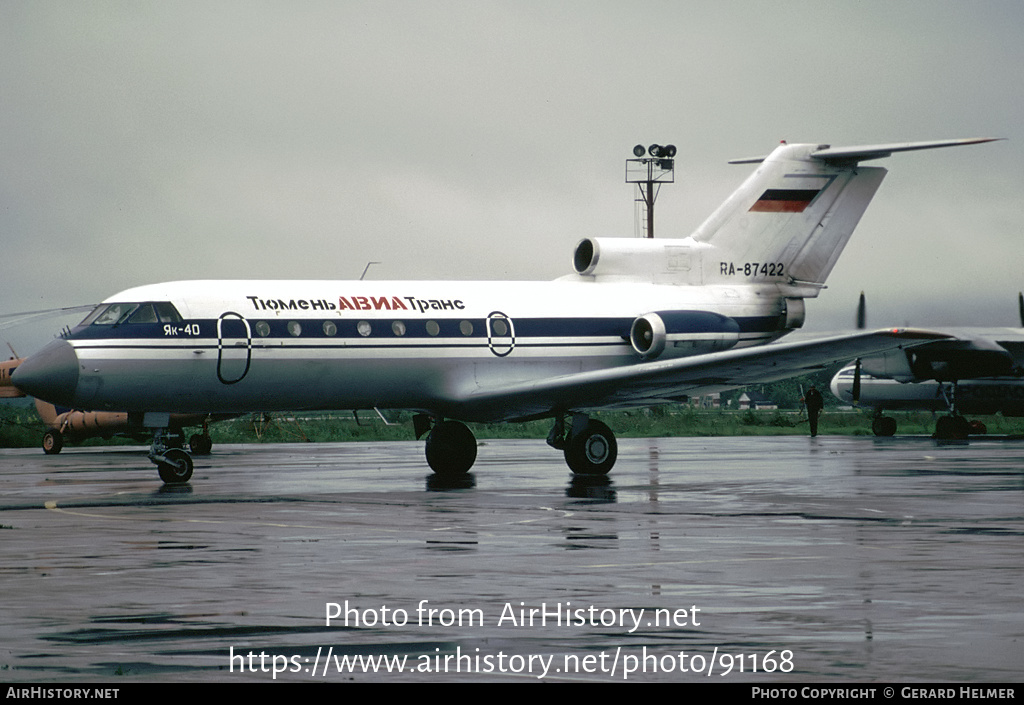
{"x": 640, "y": 322}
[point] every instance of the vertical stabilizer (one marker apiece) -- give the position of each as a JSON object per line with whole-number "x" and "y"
{"x": 48, "y": 413}
{"x": 789, "y": 221}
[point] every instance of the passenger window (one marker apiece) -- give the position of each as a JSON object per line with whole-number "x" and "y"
{"x": 330, "y": 329}
{"x": 398, "y": 328}
{"x": 294, "y": 328}
{"x": 262, "y": 329}
{"x": 466, "y": 327}
{"x": 364, "y": 328}
{"x": 433, "y": 328}
{"x": 499, "y": 328}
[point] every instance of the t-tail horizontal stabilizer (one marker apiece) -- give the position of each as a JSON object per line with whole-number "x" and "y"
{"x": 876, "y": 151}
{"x": 790, "y": 220}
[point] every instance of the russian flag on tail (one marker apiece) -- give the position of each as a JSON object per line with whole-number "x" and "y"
{"x": 784, "y": 200}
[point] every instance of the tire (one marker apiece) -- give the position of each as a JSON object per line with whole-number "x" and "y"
{"x": 53, "y": 441}
{"x": 176, "y": 469}
{"x": 951, "y": 428}
{"x": 592, "y": 451}
{"x": 200, "y": 444}
{"x": 884, "y": 426}
{"x": 451, "y": 448}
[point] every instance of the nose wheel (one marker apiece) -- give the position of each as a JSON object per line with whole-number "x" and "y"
{"x": 173, "y": 464}
{"x": 176, "y": 467}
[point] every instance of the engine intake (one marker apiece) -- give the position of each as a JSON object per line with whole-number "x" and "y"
{"x": 647, "y": 336}
{"x": 682, "y": 333}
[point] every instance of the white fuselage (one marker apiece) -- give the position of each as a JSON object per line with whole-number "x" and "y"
{"x": 287, "y": 345}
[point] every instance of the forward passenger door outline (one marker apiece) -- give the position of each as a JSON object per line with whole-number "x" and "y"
{"x": 227, "y": 347}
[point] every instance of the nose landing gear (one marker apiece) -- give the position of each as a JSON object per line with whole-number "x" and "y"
{"x": 173, "y": 463}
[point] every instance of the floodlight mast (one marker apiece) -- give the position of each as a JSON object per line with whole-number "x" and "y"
{"x": 648, "y": 173}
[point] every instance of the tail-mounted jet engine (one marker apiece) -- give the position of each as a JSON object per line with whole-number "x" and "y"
{"x": 666, "y": 261}
{"x": 682, "y": 333}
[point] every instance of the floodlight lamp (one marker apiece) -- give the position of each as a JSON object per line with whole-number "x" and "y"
{"x": 669, "y": 151}
{"x": 655, "y": 150}
{"x": 638, "y": 151}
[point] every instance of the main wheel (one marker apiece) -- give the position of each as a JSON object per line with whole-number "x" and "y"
{"x": 451, "y": 448}
{"x": 951, "y": 428}
{"x": 592, "y": 451}
{"x": 53, "y": 441}
{"x": 883, "y": 426}
{"x": 176, "y": 467}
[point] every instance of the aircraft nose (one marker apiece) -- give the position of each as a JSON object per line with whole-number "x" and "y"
{"x": 51, "y": 374}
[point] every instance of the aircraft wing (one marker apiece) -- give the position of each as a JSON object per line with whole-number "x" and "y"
{"x": 673, "y": 380}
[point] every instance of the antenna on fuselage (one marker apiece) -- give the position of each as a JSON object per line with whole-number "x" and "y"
{"x": 649, "y": 173}
{"x": 366, "y": 269}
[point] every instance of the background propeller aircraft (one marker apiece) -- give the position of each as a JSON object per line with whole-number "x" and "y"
{"x": 73, "y": 426}
{"x": 7, "y": 388}
{"x": 639, "y": 322}
{"x": 973, "y": 371}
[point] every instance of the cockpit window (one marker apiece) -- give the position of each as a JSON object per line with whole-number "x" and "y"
{"x": 117, "y": 313}
{"x": 143, "y": 314}
{"x": 167, "y": 312}
{"x": 114, "y": 313}
{"x": 92, "y": 315}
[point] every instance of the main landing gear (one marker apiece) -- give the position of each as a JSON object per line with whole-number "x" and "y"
{"x": 952, "y": 427}
{"x": 948, "y": 428}
{"x": 589, "y": 446}
{"x": 451, "y": 448}
{"x": 883, "y": 425}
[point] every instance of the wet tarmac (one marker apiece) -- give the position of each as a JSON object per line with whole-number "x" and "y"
{"x": 836, "y": 559}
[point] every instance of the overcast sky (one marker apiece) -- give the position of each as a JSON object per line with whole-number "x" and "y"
{"x": 153, "y": 141}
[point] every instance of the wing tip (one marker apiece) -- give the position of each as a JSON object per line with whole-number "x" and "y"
{"x": 914, "y": 334}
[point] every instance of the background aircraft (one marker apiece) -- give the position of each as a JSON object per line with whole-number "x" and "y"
{"x": 73, "y": 426}
{"x": 975, "y": 371}
{"x": 639, "y": 322}
{"x": 7, "y": 388}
